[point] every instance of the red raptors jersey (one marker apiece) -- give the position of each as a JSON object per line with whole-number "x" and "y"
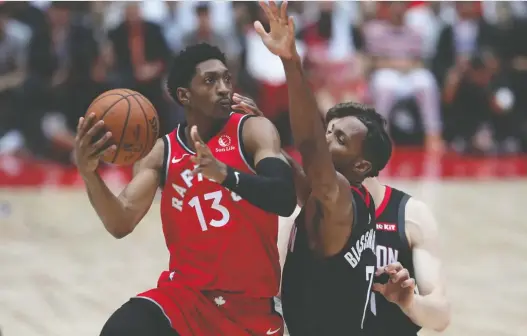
{"x": 216, "y": 240}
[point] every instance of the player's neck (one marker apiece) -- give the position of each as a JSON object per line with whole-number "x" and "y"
{"x": 376, "y": 189}
{"x": 207, "y": 127}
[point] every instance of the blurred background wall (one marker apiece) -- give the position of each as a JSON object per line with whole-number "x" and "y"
{"x": 450, "y": 77}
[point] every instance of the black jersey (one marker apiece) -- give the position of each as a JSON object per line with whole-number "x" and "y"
{"x": 330, "y": 296}
{"x": 392, "y": 246}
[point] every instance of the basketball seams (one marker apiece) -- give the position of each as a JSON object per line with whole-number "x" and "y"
{"x": 147, "y": 124}
{"x": 104, "y": 95}
{"x": 125, "y": 124}
{"x": 120, "y": 122}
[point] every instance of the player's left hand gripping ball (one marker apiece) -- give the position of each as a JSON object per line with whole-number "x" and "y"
{"x": 206, "y": 163}
{"x": 400, "y": 287}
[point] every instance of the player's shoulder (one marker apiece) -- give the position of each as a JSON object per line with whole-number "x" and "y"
{"x": 256, "y": 131}
{"x": 254, "y": 125}
{"x": 419, "y": 220}
{"x": 155, "y": 158}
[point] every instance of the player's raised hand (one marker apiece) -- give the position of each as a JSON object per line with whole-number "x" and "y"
{"x": 89, "y": 149}
{"x": 281, "y": 39}
{"x": 245, "y": 105}
{"x": 206, "y": 163}
{"x": 400, "y": 287}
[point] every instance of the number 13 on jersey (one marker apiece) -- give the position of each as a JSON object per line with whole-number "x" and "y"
{"x": 214, "y": 201}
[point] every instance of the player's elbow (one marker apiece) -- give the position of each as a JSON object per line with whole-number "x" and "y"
{"x": 118, "y": 232}
{"x": 445, "y": 321}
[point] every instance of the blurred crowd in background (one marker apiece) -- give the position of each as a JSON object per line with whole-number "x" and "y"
{"x": 448, "y": 76}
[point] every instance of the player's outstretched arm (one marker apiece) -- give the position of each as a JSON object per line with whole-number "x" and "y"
{"x": 306, "y": 124}
{"x": 430, "y": 308}
{"x": 120, "y": 214}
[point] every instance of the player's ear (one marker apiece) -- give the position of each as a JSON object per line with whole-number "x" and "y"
{"x": 363, "y": 167}
{"x": 183, "y": 95}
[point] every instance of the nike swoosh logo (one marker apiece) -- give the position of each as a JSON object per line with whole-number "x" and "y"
{"x": 272, "y": 332}
{"x": 174, "y": 160}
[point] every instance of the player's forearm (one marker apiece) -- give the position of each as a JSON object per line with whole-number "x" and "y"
{"x": 272, "y": 189}
{"x": 308, "y": 129}
{"x": 109, "y": 208}
{"x": 430, "y": 312}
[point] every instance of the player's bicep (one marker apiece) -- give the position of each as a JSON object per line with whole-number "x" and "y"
{"x": 138, "y": 195}
{"x": 261, "y": 139}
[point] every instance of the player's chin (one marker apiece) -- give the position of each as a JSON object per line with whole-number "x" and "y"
{"x": 221, "y": 111}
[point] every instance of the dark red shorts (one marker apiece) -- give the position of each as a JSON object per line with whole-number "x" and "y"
{"x": 196, "y": 313}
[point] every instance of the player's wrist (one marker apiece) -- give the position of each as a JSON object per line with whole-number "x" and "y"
{"x": 408, "y": 306}
{"x": 229, "y": 180}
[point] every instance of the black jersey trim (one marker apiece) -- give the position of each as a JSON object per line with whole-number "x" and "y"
{"x": 166, "y": 158}
{"x": 354, "y": 205}
{"x": 248, "y": 159}
{"x": 401, "y": 219}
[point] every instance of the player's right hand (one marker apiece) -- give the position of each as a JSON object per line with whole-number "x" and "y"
{"x": 87, "y": 152}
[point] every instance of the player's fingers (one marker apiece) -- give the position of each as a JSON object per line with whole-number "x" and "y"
{"x": 85, "y": 125}
{"x": 258, "y": 27}
{"x": 409, "y": 283}
{"x": 196, "y": 170}
{"x": 239, "y": 108}
{"x": 265, "y": 7}
{"x": 380, "y": 271}
{"x": 79, "y": 125}
{"x": 377, "y": 287}
{"x": 194, "y": 134}
{"x": 291, "y": 26}
{"x": 274, "y": 10}
{"x": 283, "y": 11}
{"x": 104, "y": 151}
{"x": 402, "y": 275}
{"x": 95, "y": 129}
{"x": 102, "y": 143}
{"x": 394, "y": 268}
{"x": 246, "y": 108}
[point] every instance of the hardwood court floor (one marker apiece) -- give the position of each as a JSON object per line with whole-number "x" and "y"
{"x": 61, "y": 274}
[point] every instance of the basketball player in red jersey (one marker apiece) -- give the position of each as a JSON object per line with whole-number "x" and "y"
{"x": 222, "y": 235}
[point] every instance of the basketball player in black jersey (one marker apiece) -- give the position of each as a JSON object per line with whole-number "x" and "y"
{"x": 405, "y": 227}
{"x": 406, "y": 236}
{"x": 331, "y": 262}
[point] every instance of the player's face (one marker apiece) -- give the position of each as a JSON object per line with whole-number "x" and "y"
{"x": 345, "y": 137}
{"x": 211, "y": 89}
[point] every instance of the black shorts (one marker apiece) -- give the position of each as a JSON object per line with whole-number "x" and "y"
{"x": 138, "y": 317}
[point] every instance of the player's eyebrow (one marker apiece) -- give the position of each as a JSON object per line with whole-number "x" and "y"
{"x": 215, "y": 73}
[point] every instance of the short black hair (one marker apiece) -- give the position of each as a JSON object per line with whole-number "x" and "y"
{"x": 184, "y": 65}
{"x": 377, "y": 146}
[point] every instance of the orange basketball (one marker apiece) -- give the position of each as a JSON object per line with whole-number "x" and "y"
{"x": 133, "y": 121}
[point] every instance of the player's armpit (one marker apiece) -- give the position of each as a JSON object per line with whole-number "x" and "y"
{"x": 337, "y": 219}
{"x": 431, "y": 308}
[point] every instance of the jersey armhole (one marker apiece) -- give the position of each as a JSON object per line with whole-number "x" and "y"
{"x": 401, "y": 218}
{"x": 247, "y": 158}
{"x": 166, "y": 158}
{"x": 354, "y": 205}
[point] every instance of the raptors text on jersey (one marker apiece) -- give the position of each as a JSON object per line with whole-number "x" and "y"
{"x": 216, "y": 239}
